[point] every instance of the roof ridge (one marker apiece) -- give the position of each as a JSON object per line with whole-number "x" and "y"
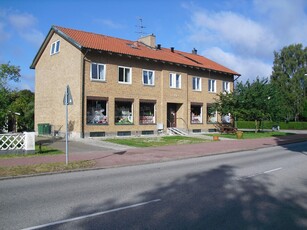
{"x": 93, "y": 33}
{"x": 101, "y": 42}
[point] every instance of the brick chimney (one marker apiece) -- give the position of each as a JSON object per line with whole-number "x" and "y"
{"x": 149, "y": 40}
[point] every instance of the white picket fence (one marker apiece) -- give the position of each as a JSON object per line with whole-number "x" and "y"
{"x": 17, "y": 141}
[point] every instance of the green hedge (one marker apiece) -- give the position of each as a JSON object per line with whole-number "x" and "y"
{"x": 270, "y": 124}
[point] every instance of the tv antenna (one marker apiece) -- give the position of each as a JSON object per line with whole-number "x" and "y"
{"x": 140, "y": 27}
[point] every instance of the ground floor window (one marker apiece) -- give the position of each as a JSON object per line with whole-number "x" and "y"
{"x": 123, "y": 113}
{"x": 96, "y": 112}
{"x": 211, "y": 114}
{"x": 147, "y": 113}
{"x": 196, "y": 114}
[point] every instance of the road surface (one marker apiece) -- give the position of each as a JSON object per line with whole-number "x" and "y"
{"x": 260, "y": 189}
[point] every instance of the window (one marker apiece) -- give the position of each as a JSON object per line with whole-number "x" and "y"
{"x": 196, "y": 83}
{"x": 123, "y": 113}
{"x": 175, "y": 80}
{"x": 211, "y": 114}
{"x": 211, "y": 85}
{"x": 124, "y": 75}
{"x": 147, "y": 113}
{"x": 226, "y": 86}
{"x": 98, "y": 72}
{"x": 196, "y": 114}
{"x": 148, "y": 77}
{"x": 96, "y": 112}
{"x": 55, "y": 47}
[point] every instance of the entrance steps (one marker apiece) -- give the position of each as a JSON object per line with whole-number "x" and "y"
{"x": 175, "y": 131}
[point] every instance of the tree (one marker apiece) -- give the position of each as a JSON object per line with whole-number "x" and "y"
{"x": 22, "y": 103}
{"x": 15, "y": 105}
{"x": 288, "y": 77}
{"x": 8, "y": 73}
{"x": 250, "y": 101}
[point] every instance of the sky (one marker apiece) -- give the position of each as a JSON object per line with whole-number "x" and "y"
{"x": 239, "y": 34}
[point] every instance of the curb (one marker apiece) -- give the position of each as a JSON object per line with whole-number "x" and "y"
{"x": 286, "y": 142}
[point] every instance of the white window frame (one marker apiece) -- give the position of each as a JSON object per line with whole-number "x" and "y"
{"x": 175, "y": 80}
{"x": 226, "y": 86}
{"x": 212, "y": 85}
{"x": 55, "y": 47}
{"x": 149, "y": 82}
{"x": 99, "y": 77}
{"x": 197, "y": 85}
{"x": 125, "y": 81}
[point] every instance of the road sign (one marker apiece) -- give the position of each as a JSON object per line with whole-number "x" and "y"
{"x": 67, "y": 100}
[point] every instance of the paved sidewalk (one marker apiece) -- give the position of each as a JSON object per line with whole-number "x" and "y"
{"x": 109, "y": 155}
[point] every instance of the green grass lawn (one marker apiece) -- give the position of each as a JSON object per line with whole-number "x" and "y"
{"x": 156, "y": 141}
{"x": 253, "y": 135}
{"x": 44, "y": 168}
{"x": 45, "y": 150}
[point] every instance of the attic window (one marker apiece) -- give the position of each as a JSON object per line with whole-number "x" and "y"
{"x": 134, "y": 45}
{"x": 55, "y": 47}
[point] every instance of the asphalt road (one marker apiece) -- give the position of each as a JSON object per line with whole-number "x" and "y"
{"x": 260, "y": 189}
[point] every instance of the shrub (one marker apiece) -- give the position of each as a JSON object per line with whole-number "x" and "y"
{"x": 270, "y": 124}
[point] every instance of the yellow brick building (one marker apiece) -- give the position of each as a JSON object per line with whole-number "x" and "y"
{"x": 121, "y": 87}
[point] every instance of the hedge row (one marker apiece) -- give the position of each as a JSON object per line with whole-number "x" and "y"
{"x": 270, "y": 124}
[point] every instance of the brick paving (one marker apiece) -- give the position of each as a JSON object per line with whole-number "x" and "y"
{"x": 106, "y": 157}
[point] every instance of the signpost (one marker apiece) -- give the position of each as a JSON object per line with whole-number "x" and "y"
{"x": 67, "y": 101}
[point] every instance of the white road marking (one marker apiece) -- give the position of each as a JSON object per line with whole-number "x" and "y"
{"x": 272, "y": 170}
{"x": 257, "y": 174}
{"x": 91, "y": 215}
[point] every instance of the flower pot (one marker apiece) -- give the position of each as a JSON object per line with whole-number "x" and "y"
{"x": 216, "y": 138}
{"x": 239, "y": 134}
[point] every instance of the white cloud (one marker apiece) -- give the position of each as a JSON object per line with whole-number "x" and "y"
{"x": 244, "y": 35}
{"x": 286, "y": 19}
{"x": 24, "y": 25}
{"x": 245, "y": 42}
{"x": 249, "y": 68}
{"x": 4, "y": 35}
{"x": 22, "y": 22}
{"x": 108, "y": 23}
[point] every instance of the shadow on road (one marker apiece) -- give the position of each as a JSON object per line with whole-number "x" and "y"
{"x": 214, "y": 199}
{"x": 294, "y": 143}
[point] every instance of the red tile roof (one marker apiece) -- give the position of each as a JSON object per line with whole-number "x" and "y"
{"x": 138, "y": 49}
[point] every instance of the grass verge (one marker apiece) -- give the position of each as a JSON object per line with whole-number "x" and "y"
{"x": 253, "y": 135}
{"x": 157, "y": 141}
{"x": 44, "y": 168}
{"x": 45, "y": 150}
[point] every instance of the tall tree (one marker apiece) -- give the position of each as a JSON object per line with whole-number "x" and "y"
{"x": 8, "y": 72}
{"x": 249, "y": 101}
{"x": 22, "y": 103}
{"x": 288, "y": 76}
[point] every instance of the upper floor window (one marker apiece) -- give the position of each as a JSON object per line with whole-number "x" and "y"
{"x": 196, "y": 83}
{"x": 124, "y": 75}
{"x": 148, "y": 77}
{"x": 55, "y": 47}
{"x": 98, "y": 72}
{"x": 175, "y": 80}
{"x": 226, "y": 86}
{"x": 212, "y": 85}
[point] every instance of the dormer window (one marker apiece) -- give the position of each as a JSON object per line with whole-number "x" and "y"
{"x": 55, "y": 47}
